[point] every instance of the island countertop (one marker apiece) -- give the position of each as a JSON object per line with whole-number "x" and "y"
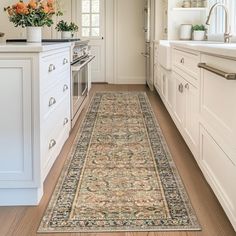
{"x": 31, "y": 47}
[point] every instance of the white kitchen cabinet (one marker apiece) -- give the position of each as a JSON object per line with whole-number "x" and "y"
{"x": 204, "y": 112}
{"x": 180, "y": 98}
{"x": 35, "y": 119}
{"x": 186, "y": 111}
{"x": 219, "y": 171}
{"x": 218, "y": 131}
{"x": 16, "y": 154}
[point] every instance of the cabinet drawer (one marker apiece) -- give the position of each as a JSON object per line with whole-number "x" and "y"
{"x": 186, "y": 62}
{"x": 220, "y": 173}
{"x": 54, "y": 130}
{"x": 217, "y": 106}
{"x": 53, "y": 96}
{"x": 52, "y": 66}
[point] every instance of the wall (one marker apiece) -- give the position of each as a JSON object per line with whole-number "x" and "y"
{"x": 129, "y": 42}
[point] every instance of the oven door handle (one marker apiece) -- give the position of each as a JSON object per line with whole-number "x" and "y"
{"x": 79, "y": 67}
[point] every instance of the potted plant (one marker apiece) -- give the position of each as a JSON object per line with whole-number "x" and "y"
{"x": 33, "y": 15}
{"x": 199, "y": 32}
{"x": 67, "y": 29}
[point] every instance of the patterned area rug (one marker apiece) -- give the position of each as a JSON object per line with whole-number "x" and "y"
{"x": 120, "y": 175}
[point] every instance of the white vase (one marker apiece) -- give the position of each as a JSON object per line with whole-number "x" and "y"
{"x": 198, "y": 35}
{"x": 66, "y": 34}
{"x": 185, "y": 32}
{"x": 34, "y": 34}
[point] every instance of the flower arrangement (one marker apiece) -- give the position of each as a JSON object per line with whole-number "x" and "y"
{"x": 34, "y": 13}
{"x": 64, "y": 26}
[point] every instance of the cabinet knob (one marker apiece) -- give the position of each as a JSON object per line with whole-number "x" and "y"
{"x": 52, "y": 101}
{"x": 186, "y": 86}
{"x": 65, "y": 87}
{"x": 65, "y": 61}
{"x": 66, "y": 120}
{"x": 52, "y": 144}
{"x": 182, "y": 61}
{"x": 51, "y": 68}
{"x": 181, "y": 88}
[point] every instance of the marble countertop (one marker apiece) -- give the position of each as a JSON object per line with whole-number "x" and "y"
{"x": 210, "y": 47}
{"x": 31, "y": 47}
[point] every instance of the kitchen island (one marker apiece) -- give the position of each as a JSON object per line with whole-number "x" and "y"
{"x": 35, "y": 116}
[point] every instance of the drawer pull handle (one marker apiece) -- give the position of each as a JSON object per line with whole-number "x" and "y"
{"x": 228, "y": 76}
{"x": 65, "y": 61}
{"x": 181, "y": 88}
{"x": 52, "y": 101}
{"x": 51, "y": 68}
{"x": 65, "y": 87}
{"x": 182, "y": 61}
{"x": 66, "y": 120}
{"x": 186, "y": 86}
{"x": 52, "y": 144}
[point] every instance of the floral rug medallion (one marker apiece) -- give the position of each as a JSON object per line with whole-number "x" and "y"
{"x": 120, "y": 175}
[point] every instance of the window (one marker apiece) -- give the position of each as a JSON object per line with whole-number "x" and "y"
{"x": 218, "y": 22}
{"x": 90, "y": 18}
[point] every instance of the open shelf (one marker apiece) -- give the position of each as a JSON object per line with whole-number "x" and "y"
{"x": 189, "y": 9}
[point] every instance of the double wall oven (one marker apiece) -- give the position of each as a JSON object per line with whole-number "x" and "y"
{"x": 80, "y": 77}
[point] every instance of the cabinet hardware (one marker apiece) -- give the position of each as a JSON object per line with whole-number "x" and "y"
{"x": 182, "y": 61}
{"x": 228, "y": 76}
{"x": 66, "y": 120}
{"x": 186, "y": 86}
{"x": 52, "y": 143}
{"x": 51, "y": 68}
{"x": 65, "y": 87}
{"x": 52, "y": 101}
{"x": 65, "y": 61}
{"x": 181, "y": 88}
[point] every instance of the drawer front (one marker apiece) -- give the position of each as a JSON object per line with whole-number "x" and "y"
{"x": 56, "y": 126}
{"x": 52, "y": 66}
{"x": 53, "y": 96}
{"x": 220, "y": 173}
{"x": 187, "y": 62}
{"x": 217, "y": 105}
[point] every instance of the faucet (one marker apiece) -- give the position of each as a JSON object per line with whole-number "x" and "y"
{"x": 227, "y": 34}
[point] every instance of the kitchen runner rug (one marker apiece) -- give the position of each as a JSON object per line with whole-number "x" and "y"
{"x": 120, "y": 175}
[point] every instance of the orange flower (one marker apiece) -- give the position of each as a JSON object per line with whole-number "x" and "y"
{"x": 46, "y": 9}
{"x": 32, "y": 4}
{"x": 21, "y": 8}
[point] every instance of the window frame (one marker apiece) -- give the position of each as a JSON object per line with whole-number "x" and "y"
{"x": 100, "y": 26}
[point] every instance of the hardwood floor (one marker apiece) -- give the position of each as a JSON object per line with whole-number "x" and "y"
{"x": 24, "y": 221}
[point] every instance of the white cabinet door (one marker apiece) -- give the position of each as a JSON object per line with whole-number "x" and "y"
{"x": 164, "y": 83}
{"x": 179, "y": 98}
{"x": 191, "y": 114}
{"x": 16, "y": 159}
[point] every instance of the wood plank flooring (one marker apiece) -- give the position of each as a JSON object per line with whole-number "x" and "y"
{"x": 24, "y": 221}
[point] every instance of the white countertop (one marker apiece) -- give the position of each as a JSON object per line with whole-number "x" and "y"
{"x": 31, "y": 47}
{"x": 215, "y": 48}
